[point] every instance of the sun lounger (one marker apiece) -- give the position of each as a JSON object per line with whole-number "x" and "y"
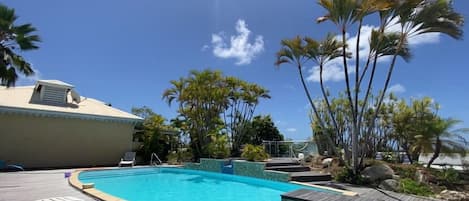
{"x": 128, "y": 159}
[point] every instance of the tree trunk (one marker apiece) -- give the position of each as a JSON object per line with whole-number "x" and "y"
{"x": 352, "y": 108}
{"x": 323, "y": 127}
{"x": 436, "y": 154}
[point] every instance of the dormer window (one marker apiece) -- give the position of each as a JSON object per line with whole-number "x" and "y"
{"x": 55, "y": 92}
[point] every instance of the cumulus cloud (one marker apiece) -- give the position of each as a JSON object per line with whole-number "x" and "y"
{"x": 291, "y": 130}
{"x": 397, "y": 88}
{"x": 238, "y": 47}
{"x": 332, "y": 71}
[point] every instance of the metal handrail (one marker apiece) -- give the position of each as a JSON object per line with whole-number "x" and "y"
{"x": 158, "y": 161}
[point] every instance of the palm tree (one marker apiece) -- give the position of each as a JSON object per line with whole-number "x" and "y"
{"x": 294, "y": 51}
{"x": 344, "y": 13}
{"x": 14, "y": 38}
{"x": 443, "y": 138}
{"x": 414, "y": 17}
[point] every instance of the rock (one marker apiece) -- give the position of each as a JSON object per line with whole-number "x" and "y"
{"x": 396, "y": 177}
{"x": 390, "y": 185}
{"x": 453, "y": 196}
{"x": 377, "y": 173}
{"x": 327, "y": 162}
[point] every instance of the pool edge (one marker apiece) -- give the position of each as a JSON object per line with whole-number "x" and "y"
{"x": 93, "y": 192}
{"x": 75, "y": 182}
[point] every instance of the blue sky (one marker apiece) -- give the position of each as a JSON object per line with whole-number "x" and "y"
{"x": 126, "y": 52}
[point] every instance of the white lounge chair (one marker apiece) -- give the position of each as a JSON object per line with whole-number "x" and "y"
{"x": 129, "y": 159}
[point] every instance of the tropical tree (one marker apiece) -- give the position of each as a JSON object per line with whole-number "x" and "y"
{"x": 399, "y": 22}
{"x": 444, "y": 138}
{"x": 14, "y": 39}
{"x": 294, "y": 51}
{"x": 153, "y": 133}
{"x": 202, "y": 98}
{"x": 260, "y": 129}
{"x": 211, "y": 104}
{"x": 243, "y": 99}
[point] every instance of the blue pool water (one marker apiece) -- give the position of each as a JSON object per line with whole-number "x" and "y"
{"x": 174, "y": 184}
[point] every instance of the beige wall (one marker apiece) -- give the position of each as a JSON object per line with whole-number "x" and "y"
{"x": 42, "y": 142}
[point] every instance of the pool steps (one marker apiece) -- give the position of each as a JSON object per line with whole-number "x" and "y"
{"x": 297, "y": 171}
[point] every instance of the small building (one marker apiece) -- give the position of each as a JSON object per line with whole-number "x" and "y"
{"x": 49, "y": 125}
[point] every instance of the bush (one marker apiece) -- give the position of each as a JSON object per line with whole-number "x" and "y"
{"x": 448, "y": 177}
{"x": 178, "y": 157}
{"x": 254, "y": 153}
{"x": 412, "y": 187}
{"x": 404, "y": 171}
{"x": 389, "y": 157}
{"x": 347, "y": 175}
{"x": 219, "y": 148}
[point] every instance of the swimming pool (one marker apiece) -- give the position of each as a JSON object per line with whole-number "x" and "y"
{"x": 175, "y": 184}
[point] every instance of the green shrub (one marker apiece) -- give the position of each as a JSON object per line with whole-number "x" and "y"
{"x": 404, "y": 171}
{"x": 389, "y": 157}
{"x": 173, "y": 158}
{"x": 177, "y": 157}
{"x": 347, "y": 175}
{"x": 219, "y": 148}
{"x": 254, "y": 153}
{"x": 448, "y": 177}
{"x": 412, "y": 187}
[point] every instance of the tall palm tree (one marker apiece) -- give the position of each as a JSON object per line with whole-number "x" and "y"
{"x": 417, "y": 17}
{"x": 443, "y": 138}
{"x": 14, "y": 38}
{"x": 322, "y": 52}
{"x": 294, "y": 51}
{"x": 344, "y": 13}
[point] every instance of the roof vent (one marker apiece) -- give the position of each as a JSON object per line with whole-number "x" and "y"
{"x": 55, "y": 92}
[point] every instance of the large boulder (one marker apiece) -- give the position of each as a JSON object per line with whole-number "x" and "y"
{"x": 453, "y": 196}
{"x": 390, "y": 185}
{"x": 377, "y": 173}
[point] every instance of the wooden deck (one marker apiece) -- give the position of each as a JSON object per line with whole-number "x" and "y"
{"x": 310, "y": 195}
{"x": 366, "y": 194}
{"x": 38, "y": 185}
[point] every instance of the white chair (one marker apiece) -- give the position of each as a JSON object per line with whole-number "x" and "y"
{"x": 128, "y": 159}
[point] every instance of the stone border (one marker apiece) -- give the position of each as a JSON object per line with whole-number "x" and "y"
{"x": 93, "y": 192}
{"x": 343, "y": 192}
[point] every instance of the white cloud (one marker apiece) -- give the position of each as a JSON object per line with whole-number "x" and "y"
{"x": 291, "y": 130}
{"x": 239, "y": 46}
{"x": 334, "y": 70}
{"x": 397, "y": 88}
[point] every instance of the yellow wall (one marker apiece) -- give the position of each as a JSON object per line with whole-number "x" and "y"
{"x": 42, "y": 142}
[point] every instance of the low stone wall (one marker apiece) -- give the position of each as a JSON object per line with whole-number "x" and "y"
{"x": 206, "y": 164}
{"x": 240, "y": 167}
